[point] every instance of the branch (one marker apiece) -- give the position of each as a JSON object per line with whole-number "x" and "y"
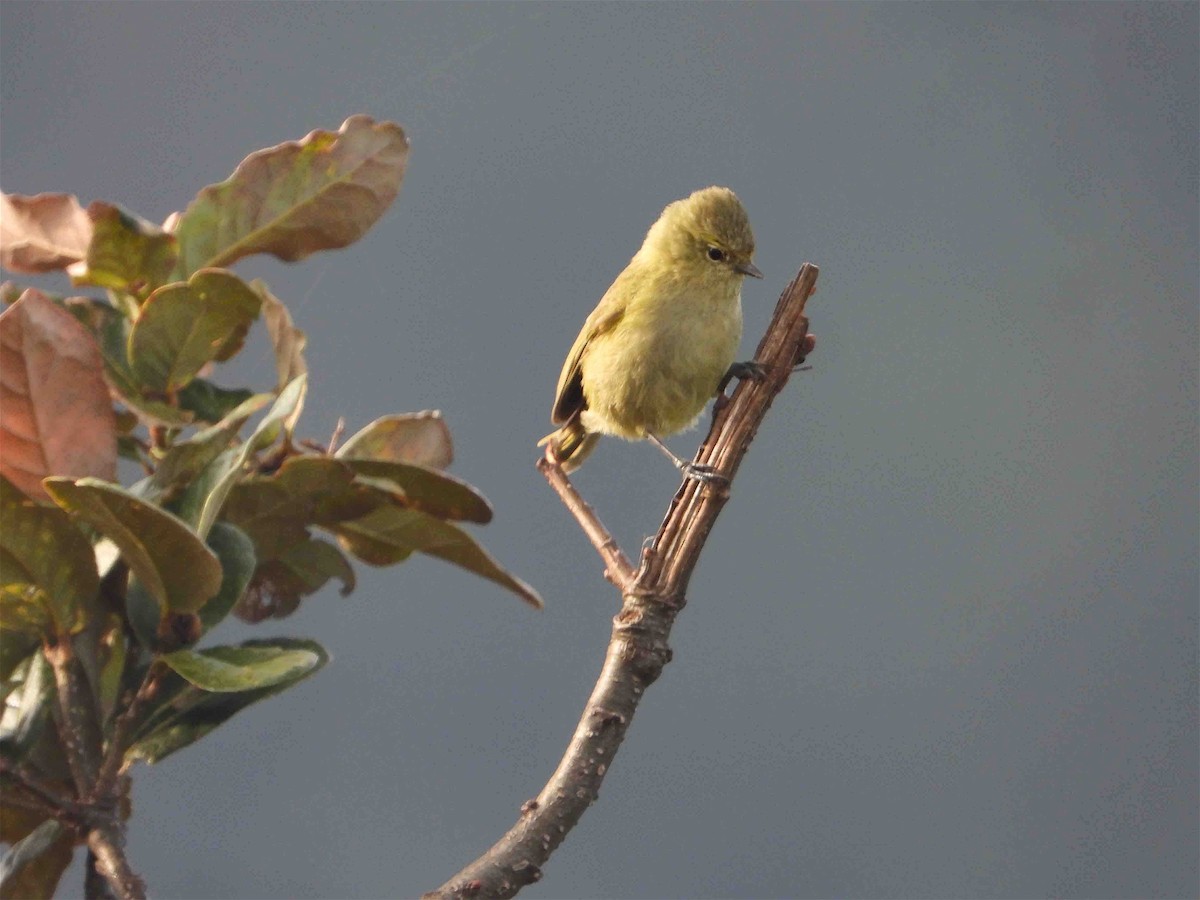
{"x": 76, "y": 725}
{"x": 652, "y": 599}
{"x": 106, "y": 844}
{"x": 618, "y": 570}
{"x": 114, "y": 759}
{"x": 81, "y": 742}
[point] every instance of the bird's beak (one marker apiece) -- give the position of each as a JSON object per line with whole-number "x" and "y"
{"x": 748, "y": 268}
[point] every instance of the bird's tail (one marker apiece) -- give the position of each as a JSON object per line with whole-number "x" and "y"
{"x": 570, "y": 445}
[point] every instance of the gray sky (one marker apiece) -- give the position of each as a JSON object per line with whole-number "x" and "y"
{"x": 943, "y": 641}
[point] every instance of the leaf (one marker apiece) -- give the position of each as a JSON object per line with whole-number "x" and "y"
{"x": 420, "y": 438}
{"x": 209, "y": 402}
{"x": 186, "y": 713}
{"x": 302, "y": 569}
{"x": 113, "y": 647}
{"x": 167, "y": 556}
{"x": 42, "y": 233}
{"x": 276, "y": 509}
{"x": 24, "y": 608}
{"x": 33, "y": 865}
{"x": 15, "y": 649}
{"x": 229, "y": 670}
{"x": 287, "y": 406}
{"x": 390, "y": 534}
{"x": 428, "y": 489}
{"x": 40, "y": 546}
{"x": 25, "y": 712}
{"x": 125, "y": 252}
{"x": 182, "y": 327}
{"x": 58, "y": 418}
{"x": 188, "y": 458}
{"x": 320, "y": 193}
{"x": 113, "y": 333}
{"x": 236, "y": 553}
{"x": 287, "y": 340}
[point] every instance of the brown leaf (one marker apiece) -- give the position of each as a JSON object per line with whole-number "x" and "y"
{"x": 287, "y": 340}
{"x": 43, "y": 233}
{"x": 55, "y": 414}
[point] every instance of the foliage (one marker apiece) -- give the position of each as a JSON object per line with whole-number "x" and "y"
{"x": 106, "y": 589}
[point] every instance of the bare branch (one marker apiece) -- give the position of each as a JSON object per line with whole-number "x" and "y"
{"x": 106, "y": 843}
{"x": 618, "y": 570}
{"x": 638, "y": 648}
{"x": 111, "y": 766}
{"x": 77, "y": 717}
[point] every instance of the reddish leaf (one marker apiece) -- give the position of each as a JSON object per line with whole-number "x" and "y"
{"x": 56, "y": 416}
{"x": 43, "y": 233}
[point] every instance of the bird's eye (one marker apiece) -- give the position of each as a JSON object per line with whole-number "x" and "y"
{"x": 716, "y": 254}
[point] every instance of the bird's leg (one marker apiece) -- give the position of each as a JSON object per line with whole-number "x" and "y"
{"x": 742, "y": 370}
{"x": 697, "y": 471}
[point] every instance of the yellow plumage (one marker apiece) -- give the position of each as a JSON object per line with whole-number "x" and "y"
{"x": 651, "y": 354}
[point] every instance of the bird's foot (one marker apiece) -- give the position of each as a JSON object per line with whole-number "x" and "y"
{"x": 743, "y": 371}
{"x": 702, "y": 473}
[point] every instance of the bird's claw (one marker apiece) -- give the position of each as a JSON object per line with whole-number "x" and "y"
{"x": 702, "y": 473}
{"x": 743, "y": 371}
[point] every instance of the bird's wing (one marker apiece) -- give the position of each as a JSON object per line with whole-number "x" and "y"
{"x": 568, "y": 398}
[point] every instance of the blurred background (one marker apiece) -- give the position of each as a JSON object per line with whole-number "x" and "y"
{"x": 943, "y": 641}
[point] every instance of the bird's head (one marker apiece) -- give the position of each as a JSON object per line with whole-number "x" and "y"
{"x": 707, "y": 234}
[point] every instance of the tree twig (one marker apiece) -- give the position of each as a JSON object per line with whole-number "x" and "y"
{"x": 638, "y": 648}
{"x": 76, "y": 716}
{"x": 110, "y": 767}
{"x": 618, "y": 571}
{"x": 106, "y": 843}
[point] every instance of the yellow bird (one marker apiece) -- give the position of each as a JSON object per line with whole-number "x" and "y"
{"x": 663, "y": 337}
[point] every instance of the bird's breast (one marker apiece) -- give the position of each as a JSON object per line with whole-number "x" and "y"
{"x": 656, "y": 370}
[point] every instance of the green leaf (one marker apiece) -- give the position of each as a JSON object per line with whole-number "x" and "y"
{"x": 320, "y": 193}
{"x": 182, "y": 327}
{"x": 126, "y": 253}
{"x": 228, "y": 670}
{"x": 112, "y": 670}
{"x": 113, "y": 334}
{"x": 428, "y": 489}
{"x": 186, "y": 713}
{"x": 287, "y": 406}
{"x": 212, "y": 403}
{"x": 40, "y": 546}
{"x": 28, "y": 850}
{"x": 188, "y": 458}
{"x": 26, "y": 709}
{"x": 419, "y": 438}
{"x": 143, "y": 613}
{"x": 15, "y": 650}
{"x": 389, "y": 534}
{"x": 236, "y": 553}
{"x": 167, "y": 556}
{"x": 24, "y": 608}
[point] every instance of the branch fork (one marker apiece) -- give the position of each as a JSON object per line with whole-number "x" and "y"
{"x": 652, "y": 596}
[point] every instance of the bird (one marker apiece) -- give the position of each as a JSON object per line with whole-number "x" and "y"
{"x": 664, "y": 335}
